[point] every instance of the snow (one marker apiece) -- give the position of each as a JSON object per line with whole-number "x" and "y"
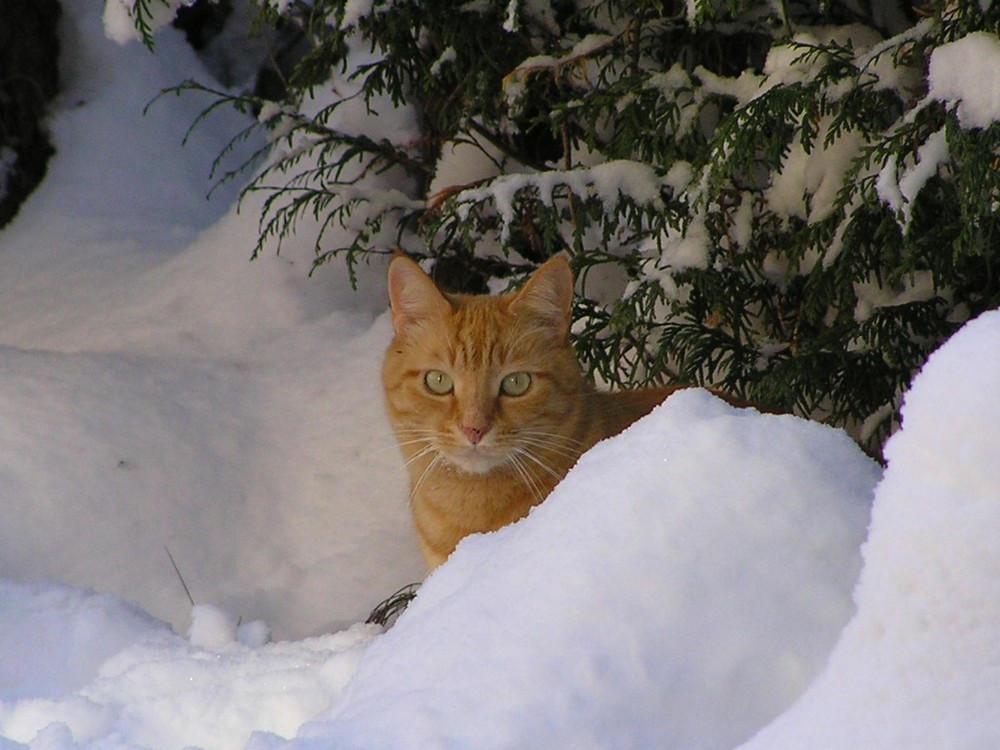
{"x": 162, "y": 393}
{"x": 511, "y": 21}
{"x": 91, "y": 670}
{"x": 918, "y": 286}
{"x": 808, "y": 182}
{"x": 630, "y": 590}
{"x": 674, "y": 87}
{"x": 919, "y": 664}
{"x": 793, "y": 62}
{"x": 900, "y": 190}
{"x": 446, "y": 58}
{"x": 677, "y": 249}
{"x": 119, "y": 18}
{"x": 610, "y": 182}
{"x": 880, "y": 63}
{"x": 211, "y": 627}
{"x": 965, "y": 74}
{"x": 688, "y": 584}
{"x": 742, "y": 227}
{"x": 468, "y": 160}
{"x": 355, "y": 10}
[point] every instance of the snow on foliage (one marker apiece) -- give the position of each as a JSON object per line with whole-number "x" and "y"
{"x": 125, "y": 21}
{"x": 608, "y": 182}
{"x": 964, "y": 73}
{"x": 899, "y": 188}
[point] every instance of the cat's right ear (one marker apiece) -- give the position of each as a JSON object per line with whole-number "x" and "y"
{"x": 413, "y": 295}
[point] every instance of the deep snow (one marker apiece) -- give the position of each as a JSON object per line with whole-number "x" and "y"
{"x": 162, "y": 392}
{"x": 672, "y": 592}
{"x": 682, "y": 588}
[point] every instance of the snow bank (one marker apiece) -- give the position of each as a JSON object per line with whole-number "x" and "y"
{"x": 55, "y": 639}
{"x": 81, "y": 669}
{"x": 119, "y": 249}
{"x": 160, "y": 392}
{"x": 273, "y": 483}
{"x": 673, "y": 591}
{"x": 678, "y": 589}
{"x": 919, "y": 665}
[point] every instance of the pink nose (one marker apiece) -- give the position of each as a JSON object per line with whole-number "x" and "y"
{"x": 475, "y": 433}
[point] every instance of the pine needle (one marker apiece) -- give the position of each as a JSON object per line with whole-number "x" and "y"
{"x": 387, "y": 611}
{"x": 179, "y": 576}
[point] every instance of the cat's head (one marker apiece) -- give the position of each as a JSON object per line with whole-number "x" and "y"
{"x": 482, "y": 381}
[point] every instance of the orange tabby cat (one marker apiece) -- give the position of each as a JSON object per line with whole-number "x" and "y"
{"x": 488, "y": 402}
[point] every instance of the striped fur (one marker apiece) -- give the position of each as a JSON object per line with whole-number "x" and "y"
{"x": 479, "y": 458}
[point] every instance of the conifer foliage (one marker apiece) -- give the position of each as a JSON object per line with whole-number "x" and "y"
{"x": 796, "y": 201}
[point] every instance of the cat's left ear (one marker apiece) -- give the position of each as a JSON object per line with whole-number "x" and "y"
{"x": 549, "y": 294}
{"x": 413, "y": 295}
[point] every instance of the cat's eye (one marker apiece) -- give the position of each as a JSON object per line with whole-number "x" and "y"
{"x": 515, "y": 384}
{"x": 438, "y": 382}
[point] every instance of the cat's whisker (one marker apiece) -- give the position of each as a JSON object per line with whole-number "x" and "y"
{"x": 415, "y": 441}
{"x": 415, "y": 432}
{"x": 415, "y": 436}
{"x": 529, "y": 480}
{"x": 539, "y": 462}
{"x": 400, "y": 468}
{"x": 558, "y": 450}
{"x": 412, "y": 437}
{"x": 437, "y": 374}
{"x": 549, "y": 448}
{"x": 426, "y": 450}
{"x": 428, "y": 470}
{"x": 554, "y": 436}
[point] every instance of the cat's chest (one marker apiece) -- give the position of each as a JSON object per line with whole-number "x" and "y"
{"x": 463, "y": 493}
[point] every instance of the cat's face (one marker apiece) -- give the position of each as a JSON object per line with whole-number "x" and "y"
{"x": 482, "y": 382}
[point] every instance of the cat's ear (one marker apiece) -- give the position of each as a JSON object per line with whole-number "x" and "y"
{"x": 549, "y": 294}
{"x": 413, "y": 295}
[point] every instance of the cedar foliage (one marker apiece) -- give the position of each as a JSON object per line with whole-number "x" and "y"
{"x": 730, "y": 169}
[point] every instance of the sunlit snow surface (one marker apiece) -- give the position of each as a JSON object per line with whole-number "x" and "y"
{"x": 160, "y": 392}
{"x": 919, "y": 665}
{"x": 682, "y": 588}
{"x": 677, "y": 590}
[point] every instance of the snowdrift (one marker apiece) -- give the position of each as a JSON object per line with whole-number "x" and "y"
{"x": 678, "y": 589}
{"x": 682, "y": 586}
{"x": 919, "y": 665}
{"x": 160, "y": 392}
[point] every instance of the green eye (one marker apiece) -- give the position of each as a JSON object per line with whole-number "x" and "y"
{"x": 438, "y": 382}
{"x": 515, "y": 384}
